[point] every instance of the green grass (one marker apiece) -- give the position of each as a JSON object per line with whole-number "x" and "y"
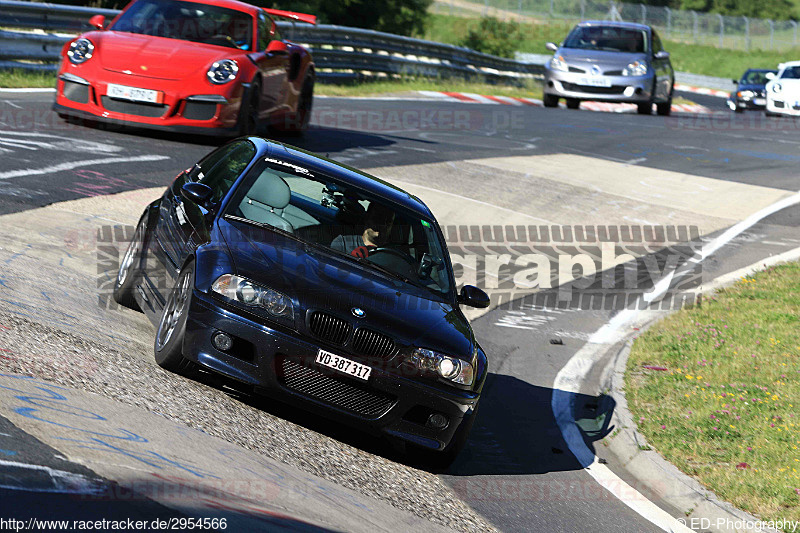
{"x": 686, "y": 57}
{"x": 727, "y": 410}
{"x": 375, "y": 88}
{"x": 17, "y": 78}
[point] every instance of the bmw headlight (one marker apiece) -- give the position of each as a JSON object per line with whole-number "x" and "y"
{"x": 558, "y": 63}
{"x": 637, "y": 68}
{"x": 252, "y": 294}
{"x": 80, "y": 50}
{"x": 746, "y": 94}
{"x": 222, "y": 71}
{"x": 776, "y": 87}
{"x": 450, "y": 368}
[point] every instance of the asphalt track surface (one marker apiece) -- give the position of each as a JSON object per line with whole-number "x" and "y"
{"x": 516, "y": 470}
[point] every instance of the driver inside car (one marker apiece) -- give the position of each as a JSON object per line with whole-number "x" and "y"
{"x": 378, "y": 223}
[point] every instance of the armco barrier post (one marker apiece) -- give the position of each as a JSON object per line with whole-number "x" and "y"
{"x": 771, "y": 32}
{"x": 669, "y": 22}
{"x": 694, "y": 25}
{"x": 794, "y": 31}
{"x": 721, "y": 30}
{"x": 644, "y": 13}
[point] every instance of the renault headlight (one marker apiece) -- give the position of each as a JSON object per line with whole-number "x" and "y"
{"x": 222, "y": 71}
{"x": 450, "y": 368}
{"x": 80, "y": 50}
{"x": 558, "y": 63}
{"x": 252, "y": 294}
{"x": 637, "y": 68}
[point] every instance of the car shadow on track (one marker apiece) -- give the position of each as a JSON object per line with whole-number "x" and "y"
{"x": 317, "y": 139}
{"x": 516, "y": 431}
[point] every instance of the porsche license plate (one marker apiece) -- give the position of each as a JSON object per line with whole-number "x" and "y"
{"x": 343, "y": 365}
{"x": 134, "y": 93}
{"x": 596, "y": 82}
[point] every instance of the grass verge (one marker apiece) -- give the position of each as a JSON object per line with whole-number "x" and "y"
{"x": 377, "y": 88}
{"x": 18, "y": 79}
{"x": 725, "y": 410}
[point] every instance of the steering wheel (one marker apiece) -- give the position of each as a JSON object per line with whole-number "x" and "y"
{"x": 222, "y": 37}
{"x": 397, "y": 253}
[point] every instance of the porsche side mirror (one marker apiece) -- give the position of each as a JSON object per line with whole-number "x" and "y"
{"x": 277, "y": 48}
{"x": 553, "y": 47}
{"x": 98, "y": 22}
{"x": 771, "y": 76}
{"x": 197, "y": 193}
{"x": 473, "y": 297}
{"x": 661, "y": 55}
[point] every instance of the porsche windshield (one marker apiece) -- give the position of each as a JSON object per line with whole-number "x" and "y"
{"x": 607, "y": 38}
{"x": 791, "y": 73}
{"x": 188, "y": 21}
{"x": 346, "y": 220}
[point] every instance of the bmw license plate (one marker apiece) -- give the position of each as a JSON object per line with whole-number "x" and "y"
{"x": 134, "y": 93}
{"x": 343, "y": 365}
{"x": 760, "y": 101}
{"x": 596, "y": 82}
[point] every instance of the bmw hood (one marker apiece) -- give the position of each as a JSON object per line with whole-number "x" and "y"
{"x": 154, "y": 57}
{"x": 603, "y": 59}
{"x": 317, "y": 280}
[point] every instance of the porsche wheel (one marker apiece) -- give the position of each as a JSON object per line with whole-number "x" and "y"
{"x": 297, "y": 122}
{"x": 130, "y": 268}
{"x": 573, "y": 103}
{"x": 168, "y": 346}
{"x": 248, "y": 113}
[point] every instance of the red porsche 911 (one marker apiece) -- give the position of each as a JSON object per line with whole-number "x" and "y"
{"x": 215, "y": 67}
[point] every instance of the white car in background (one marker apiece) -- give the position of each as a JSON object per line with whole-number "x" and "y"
{"x": 783, "y": 90}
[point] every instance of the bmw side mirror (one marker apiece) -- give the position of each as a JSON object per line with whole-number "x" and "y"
{"x": 473, "y": 297}
{"x": 735, "y": 82}
{"x": 553, "y": 47}
{"x": 197, "y": 193}
{"x": 98, "y": 22}
{"x": 662, "y": 55}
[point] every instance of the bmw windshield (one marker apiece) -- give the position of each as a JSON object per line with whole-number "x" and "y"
{"x": 344, "y": 220}
{"x": 607, "y": 38}
{"x": 188, "y": 21}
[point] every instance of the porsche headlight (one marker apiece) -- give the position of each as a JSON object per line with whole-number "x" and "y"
{"x": 776, "y": 87}
{"x": 80, "y": 51}
{"x": 223, "y": 71}
{"x": 450, "y": 368}
{"x": 558, "y": 63}
{"x": 637, "y": 68}
{"x": 254, "y": 295}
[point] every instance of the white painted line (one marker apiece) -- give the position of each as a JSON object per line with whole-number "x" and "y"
{"x": 29, "y": 90}
{"x": 75, "y": 164}
{"x": 569, "y": 379}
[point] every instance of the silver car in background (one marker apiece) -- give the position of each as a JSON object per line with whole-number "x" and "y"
{"x": 610, "y": 62}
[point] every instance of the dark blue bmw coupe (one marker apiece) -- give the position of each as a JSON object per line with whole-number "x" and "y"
{"x": 314, "y": 283}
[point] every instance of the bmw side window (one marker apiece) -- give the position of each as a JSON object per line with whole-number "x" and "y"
{"x": 221, "y": 168}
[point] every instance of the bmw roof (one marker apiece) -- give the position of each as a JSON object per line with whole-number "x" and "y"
{"x": 334, "y": 169}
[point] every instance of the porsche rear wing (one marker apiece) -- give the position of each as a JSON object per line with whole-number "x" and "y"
{"x": 291, "y": 15}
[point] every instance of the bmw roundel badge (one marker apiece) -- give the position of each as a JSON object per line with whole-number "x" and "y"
{"x": 358, "y": 312}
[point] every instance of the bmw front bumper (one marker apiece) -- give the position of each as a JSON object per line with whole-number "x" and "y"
{"x": 280, "y": 364}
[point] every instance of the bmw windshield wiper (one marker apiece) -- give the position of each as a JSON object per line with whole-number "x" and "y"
{"x": 266, "y": 226}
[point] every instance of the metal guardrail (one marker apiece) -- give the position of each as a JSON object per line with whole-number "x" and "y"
{"x": 339, "y": 52}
